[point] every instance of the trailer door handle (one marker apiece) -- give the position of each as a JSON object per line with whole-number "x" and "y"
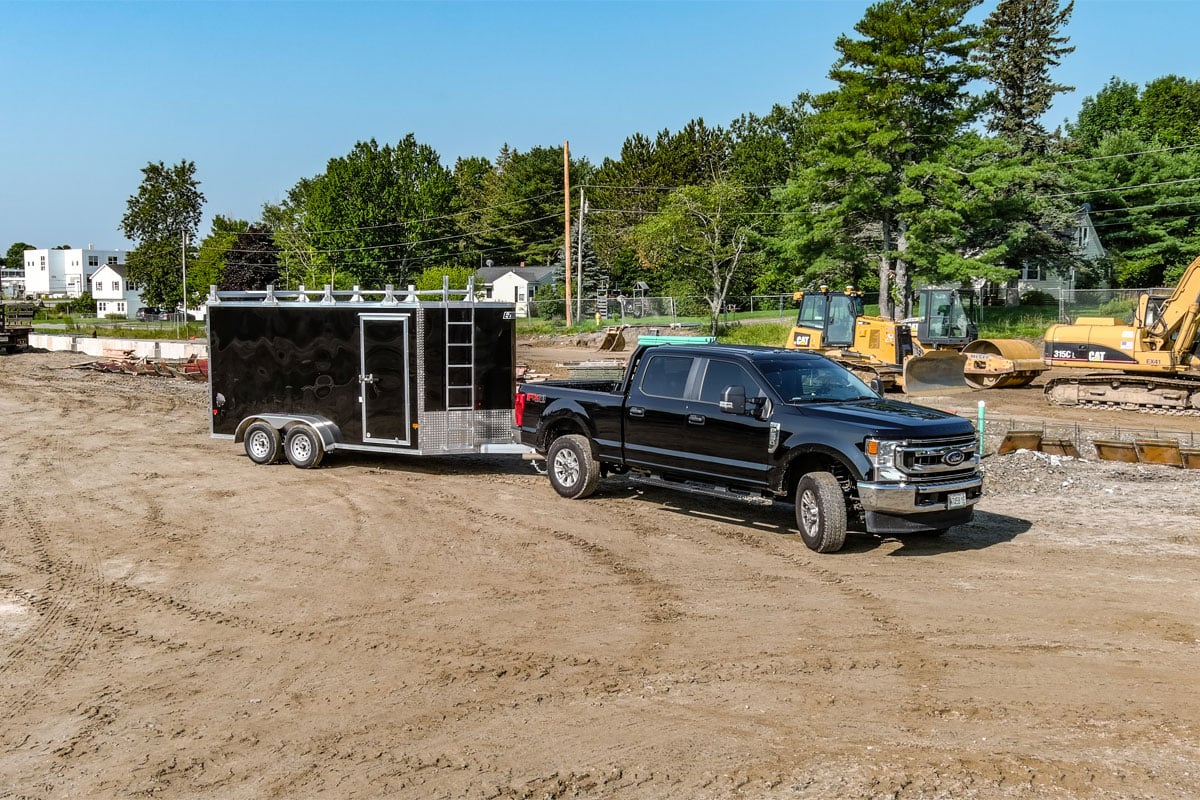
{"x": 695, "y": 419}
{"x": 637, "y": 411}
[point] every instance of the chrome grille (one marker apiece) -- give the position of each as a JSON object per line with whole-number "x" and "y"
{"x": 938, "y": 459}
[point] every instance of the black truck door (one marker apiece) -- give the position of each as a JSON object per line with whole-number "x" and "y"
{"x": 386, "y": 413}
{"x": 732, "y": 446}
{"x": 656, "y": 414}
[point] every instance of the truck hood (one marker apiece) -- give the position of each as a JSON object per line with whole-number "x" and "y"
{"x": 887, "y": 418}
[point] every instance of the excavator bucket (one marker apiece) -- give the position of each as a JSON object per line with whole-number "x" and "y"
{"x": 614, "y": 339}
{"x": 936, "y": 372}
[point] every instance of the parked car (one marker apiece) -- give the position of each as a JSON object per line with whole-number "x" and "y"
{"x": 149, "y": 312}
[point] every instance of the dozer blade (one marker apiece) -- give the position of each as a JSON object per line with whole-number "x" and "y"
{"x": 936, "y": 372}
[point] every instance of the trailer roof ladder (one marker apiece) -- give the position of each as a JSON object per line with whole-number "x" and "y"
{"x": 460, "y": 357}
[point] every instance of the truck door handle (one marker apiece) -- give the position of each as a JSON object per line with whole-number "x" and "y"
{"x": 637, "y": 411}
{"x": 695, "y": 419}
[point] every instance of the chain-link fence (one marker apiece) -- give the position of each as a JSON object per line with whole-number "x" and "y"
{"x": 1062, "y": 302}
{"x": 684, "y": 310}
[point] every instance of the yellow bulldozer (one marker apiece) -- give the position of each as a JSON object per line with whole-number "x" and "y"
{"x": 935, "y": 352}
{"x": 1152, "y": 364}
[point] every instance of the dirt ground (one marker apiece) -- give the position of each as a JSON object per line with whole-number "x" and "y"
{"x": 177, "y": 622}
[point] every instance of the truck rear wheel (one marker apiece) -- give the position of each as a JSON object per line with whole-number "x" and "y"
{"x": 574, "y": 473}
{"x": 303, "y": 447}
{"x": 263, "y": 443}
{"x": 821, "y": 512}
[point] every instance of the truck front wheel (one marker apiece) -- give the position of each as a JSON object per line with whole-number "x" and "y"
{"x": 821, "y": 512}
{"x": 574, "y": 473}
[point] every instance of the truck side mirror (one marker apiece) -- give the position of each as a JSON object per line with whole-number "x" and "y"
{"x": 733, "y": 400}
{"x": 876, "y": 386}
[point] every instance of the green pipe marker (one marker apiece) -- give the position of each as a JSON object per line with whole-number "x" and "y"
{"x": 981, "y": 407}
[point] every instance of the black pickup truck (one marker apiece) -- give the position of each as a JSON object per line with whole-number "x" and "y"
{"x": 759, "y": 424}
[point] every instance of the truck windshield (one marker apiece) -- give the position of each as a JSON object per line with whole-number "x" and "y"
{"x": 815, "y": 380}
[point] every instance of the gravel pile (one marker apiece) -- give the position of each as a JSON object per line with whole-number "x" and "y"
{"x": 1029, "y": 472}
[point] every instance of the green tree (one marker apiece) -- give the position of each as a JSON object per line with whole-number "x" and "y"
{"x": 252, "y": 261}
{"x": 524, "y": 217}
{"x": 208, "y": 269}
{"x": 379, "y": 213}
{"x": 160, "y": 217}
{"x": 1020, "y": 45}
{"x": 698, "y": 240}
{"x": 430, "y": 278}
{"x": 14, "y": 257}
{"x": 1169, "y": 111}
{"x": 874, "y": 183}
{"x": 1114, "y": 109}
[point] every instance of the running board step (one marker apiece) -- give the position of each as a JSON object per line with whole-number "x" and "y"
{"x": 707, "y": 489}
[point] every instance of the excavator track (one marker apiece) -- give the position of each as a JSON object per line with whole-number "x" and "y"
{"x": 1147, "y": 394}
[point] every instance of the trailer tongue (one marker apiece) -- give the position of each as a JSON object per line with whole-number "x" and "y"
{"x": 297, "y": 374}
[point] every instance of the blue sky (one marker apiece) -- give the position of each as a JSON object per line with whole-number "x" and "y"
{"x": 262, "y": 94}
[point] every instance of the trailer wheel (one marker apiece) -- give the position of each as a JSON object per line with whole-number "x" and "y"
{"x": 303, "y": 447}
{"x": 574, "y": 473}
{"x": 263, "y": 443}
{"x": 821, "y": 512}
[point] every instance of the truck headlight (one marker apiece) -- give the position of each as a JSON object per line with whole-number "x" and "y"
{"x": 883, "y": 460}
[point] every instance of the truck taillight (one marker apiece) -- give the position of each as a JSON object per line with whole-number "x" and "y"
{"x": 519, "y": 408}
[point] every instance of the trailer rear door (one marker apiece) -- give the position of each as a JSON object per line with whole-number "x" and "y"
{"x": 385, "y": 379}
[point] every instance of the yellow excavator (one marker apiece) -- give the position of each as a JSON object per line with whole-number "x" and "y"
{"x": 1152, "y": 364}
{"x": 935, "y": 352}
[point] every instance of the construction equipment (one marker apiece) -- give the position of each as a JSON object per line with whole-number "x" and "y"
{"x": 16, "y": 323}
{"x": 1152, "y": 364}
{"x": 934, "y": 352}
{"x": 614, "y": 339}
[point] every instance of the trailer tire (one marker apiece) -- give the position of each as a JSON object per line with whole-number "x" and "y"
{"x": 821, "y": 512}
{"x": 263, "y": 443}
{"x": 573, "y": 470}
{"x": 303, "y": 447}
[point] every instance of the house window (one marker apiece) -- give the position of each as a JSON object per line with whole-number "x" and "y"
{"x": 116, "y": 286}
{"x": 101, "y": 308}
{"x": 1031, "y": 272}
{"x": 93, "y": 261}
{"x": 111, "y": 260}
{"x": 120, "y": 308}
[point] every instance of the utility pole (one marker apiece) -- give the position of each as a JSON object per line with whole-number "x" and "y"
{"x": 579, "y": 259}
{"x": 567, "y": 227}
{"x": 183, "y": 262}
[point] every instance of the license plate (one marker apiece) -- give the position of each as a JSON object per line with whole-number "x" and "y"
{"x": 956, "y": 500}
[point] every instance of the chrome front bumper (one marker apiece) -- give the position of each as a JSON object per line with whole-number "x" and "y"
{"x": 918, "y": 498}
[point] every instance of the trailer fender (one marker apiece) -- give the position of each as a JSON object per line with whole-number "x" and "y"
{"x": 329, "y": 433}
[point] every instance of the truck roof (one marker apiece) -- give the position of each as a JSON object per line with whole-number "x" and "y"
{"x": 750, "y": 351}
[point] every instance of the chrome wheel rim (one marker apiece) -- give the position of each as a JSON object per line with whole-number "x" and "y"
{"x": 810, "y": 512}
{"x": 566, "y": 468}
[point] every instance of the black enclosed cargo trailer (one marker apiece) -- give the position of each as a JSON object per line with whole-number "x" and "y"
{"x": 296, "y": 374}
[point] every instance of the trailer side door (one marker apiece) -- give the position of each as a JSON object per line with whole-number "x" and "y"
{"x": 386, "y": 413}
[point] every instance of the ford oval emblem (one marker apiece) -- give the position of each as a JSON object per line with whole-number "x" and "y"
{"x": 954, "y": 458}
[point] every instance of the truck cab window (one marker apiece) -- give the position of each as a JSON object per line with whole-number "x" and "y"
{"x": 720, "y": 374}
{"x": 666, "y": 376}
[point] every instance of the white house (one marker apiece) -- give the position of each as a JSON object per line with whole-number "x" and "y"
{"x": 65, "y": 273}
{"x": 514, "y": 284}
{"x": 113, "y": 292}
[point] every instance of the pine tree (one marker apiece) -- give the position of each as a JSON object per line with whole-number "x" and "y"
{"x": 874, "y": 179}
{"x": 1021, "y": 44}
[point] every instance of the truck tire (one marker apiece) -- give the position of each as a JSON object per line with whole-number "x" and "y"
{"x": 821, "y": 512}
{"x": 303, "y": 447}
{"x": 263, "y": 443}
{"x": 574, "y": 473}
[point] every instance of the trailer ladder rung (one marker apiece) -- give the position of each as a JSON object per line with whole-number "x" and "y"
{"x": 460, "y": 358}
